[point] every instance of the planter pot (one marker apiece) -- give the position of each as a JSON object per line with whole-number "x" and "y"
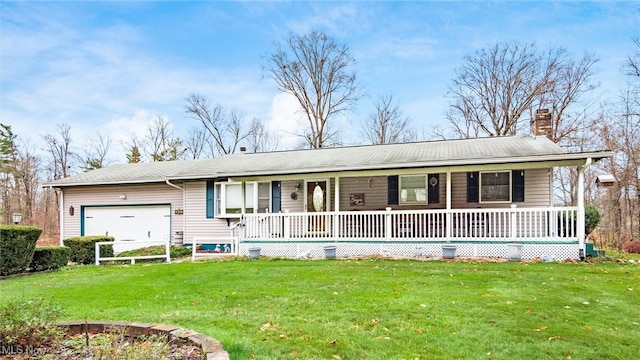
{"x": 330, "y": 252}
{"x": 254, "y": 252}
{"x": 514, "y": 252}
{"x": 448, "y": 251}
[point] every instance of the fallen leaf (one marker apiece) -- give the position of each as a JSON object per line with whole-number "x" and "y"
{"x": 585, "y": 303}
{"x": 423, "y": 305}
{"x": 588, "y": 328}
{"x": 336, "y": 356}
{"x": 265, "y": 326}
{"x": 195, "y": 303}
{"x": 567, "y": 307}
{"x": 630, "y": 289}
{"x": 333, "y": 342}
{"x": 283, "y": 336}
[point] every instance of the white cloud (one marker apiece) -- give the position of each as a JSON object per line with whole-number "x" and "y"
{"x": 285, "y": 120}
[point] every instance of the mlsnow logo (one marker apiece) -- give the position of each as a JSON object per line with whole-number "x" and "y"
{"x": 12, "y": 349}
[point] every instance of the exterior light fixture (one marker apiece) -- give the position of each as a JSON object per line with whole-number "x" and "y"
{"x": 16, "y": 217}
{"x": 123, "y": 196}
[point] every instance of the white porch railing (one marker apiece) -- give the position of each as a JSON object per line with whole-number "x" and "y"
{"x": 481, "y": 225}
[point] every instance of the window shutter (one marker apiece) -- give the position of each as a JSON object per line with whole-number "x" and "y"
{"x": 517, "y": 186}
{"x": 473, "y": 187}
{"x": 392, "y": 195}
{"x": 275, "y": 196}
{"x": 433, "y": 184}
{"x": 211, "y": 200}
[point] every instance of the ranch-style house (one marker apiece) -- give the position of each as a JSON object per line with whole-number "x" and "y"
{"x": 398, "y": 199}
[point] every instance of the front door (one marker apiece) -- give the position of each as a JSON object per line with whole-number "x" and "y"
{"x": 316, "y": 194}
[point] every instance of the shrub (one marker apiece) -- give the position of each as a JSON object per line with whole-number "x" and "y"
{"x": 83, "y": 248}
{"x": 31, "y": 322}
{"x": 17, "y": 244}
{"x": 632, "y": 246}
{"x": 50, "y": 258}
{"x": 592, "y": 218}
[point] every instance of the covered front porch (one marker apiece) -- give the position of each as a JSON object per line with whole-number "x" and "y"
{"x": 544, "y": 232}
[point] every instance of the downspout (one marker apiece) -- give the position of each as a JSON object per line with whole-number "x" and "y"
{"x": 184, "y": 199}
{"x": 580, "y": 202}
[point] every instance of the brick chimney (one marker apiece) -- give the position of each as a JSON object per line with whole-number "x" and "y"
{"x": 541, "y": 124}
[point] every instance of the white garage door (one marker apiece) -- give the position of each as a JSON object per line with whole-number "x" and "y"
{"x": 128, "y": 224}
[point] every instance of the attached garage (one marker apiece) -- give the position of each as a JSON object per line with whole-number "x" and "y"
{"x": 128, "y": 224}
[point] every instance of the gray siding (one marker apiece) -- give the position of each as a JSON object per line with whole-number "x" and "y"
{"x": 287, "y": 202}
{"x": 196, "y": 222}
{"x": 536, "y": 191}
{"x": 144, "y": 194}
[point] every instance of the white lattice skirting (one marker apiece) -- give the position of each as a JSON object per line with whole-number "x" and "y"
{"x": 552, "y": 251}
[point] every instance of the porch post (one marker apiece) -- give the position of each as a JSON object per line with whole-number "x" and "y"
{"x": 336, "y": 194}
{"x": 336, "y": 207}
{"x": 580, "y": 202}
{"x": 449, "y": 223}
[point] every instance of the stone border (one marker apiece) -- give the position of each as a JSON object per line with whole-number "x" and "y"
{"x": 210, "y": 346}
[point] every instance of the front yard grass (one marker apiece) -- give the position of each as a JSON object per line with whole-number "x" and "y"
{"x": 366, "y": 309}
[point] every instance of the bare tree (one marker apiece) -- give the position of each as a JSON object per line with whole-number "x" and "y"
{"x": 315, "y": 70}
{"x": 387, "y": 125}
{"x": 61, "y": 152}
{"x": 160, "y": 144}
{"x": 96, "y": 153}
{"x": 571, "y": 82}
{"x": 196, "y": 143}
{"x": 225, "y": 132}
{"x": 27, "y": 180}
{"x": 621, "y": 133}
{"x": 632, "y": 65}
{"x": 259, "y": 139}
{"x": 496, "y": 86}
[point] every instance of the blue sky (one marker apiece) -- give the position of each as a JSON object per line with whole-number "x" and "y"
{"x": 113, "y": 67}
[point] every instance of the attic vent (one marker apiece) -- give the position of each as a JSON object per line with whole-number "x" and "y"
{"x": 541, "y": 124}
{"x": 243, "y": 149}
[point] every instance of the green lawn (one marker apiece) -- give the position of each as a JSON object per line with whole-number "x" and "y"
{"x": 366, "y": 309}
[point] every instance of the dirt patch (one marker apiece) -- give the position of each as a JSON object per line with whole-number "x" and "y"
{"x": 116, "y": 340}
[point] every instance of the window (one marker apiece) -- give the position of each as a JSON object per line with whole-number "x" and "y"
{"x": 229, "y": 198}
{"x": 495, "y": 186}
{"x": 413, "y": 189}
{"x": 264, "y": 198}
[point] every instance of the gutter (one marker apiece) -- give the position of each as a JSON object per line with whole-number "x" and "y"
{"x": 184, "y": 199}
